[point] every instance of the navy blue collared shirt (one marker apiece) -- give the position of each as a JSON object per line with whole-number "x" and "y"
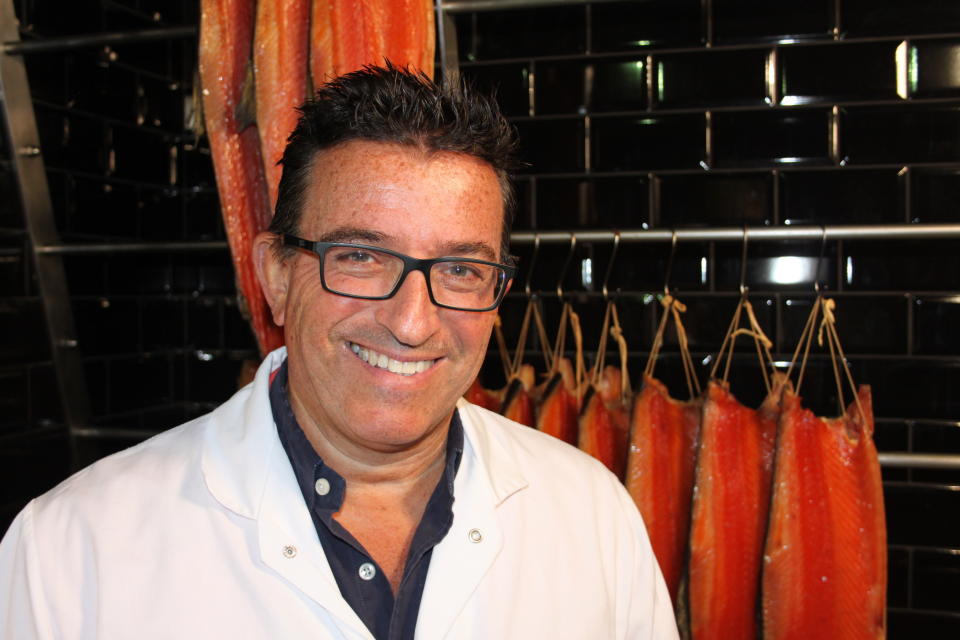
{"x": 362, "y": 583}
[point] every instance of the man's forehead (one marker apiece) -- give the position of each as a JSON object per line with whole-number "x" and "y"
{"x": 443, "y": 247}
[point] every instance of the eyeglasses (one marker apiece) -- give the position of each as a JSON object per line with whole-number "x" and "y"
{"x": 372, "y": 273}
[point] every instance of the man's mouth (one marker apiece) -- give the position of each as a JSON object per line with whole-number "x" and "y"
{"x": 382, "y": 361}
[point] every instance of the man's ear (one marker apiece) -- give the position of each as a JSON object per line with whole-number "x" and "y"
{"x": 273, "y": 274}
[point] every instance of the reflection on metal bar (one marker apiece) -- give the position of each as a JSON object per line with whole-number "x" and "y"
{"x": 463, "y": 6}
{"x": 114, "y": 432}
{"x": 70, "y": 43}
{"x": 757, "y": 234}
{"x": 130, "y": 247}
{"x": 920, "y": 460}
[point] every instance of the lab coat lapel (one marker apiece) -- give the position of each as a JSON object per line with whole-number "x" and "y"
{"x": 247, "y": 470}
{"x": 487, "y": 476}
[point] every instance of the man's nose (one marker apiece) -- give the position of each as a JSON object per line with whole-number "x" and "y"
{"x": 410, "y": 315}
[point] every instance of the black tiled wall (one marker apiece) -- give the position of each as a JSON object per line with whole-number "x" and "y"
{"x": 160, "y": 332}
{"x": 681, "y": 113}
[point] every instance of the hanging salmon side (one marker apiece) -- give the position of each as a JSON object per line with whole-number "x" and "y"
{"x": 825, "y": 558}
{"x": 558, "y": 410}
{"x": 517, "y": 401}
{"x": 660, "y": 467}
{"x": 347, "y": 34}
{"x": 731, "y": 499}
{"x": 226, "y": 33}
{"x": 280, "y": 51}
{"x": 483, "y": 397}
{"x": 605, "y": 422}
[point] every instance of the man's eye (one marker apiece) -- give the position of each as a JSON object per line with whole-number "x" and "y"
{"x": 356, "y": 256}
{"x": 462, "y": 270}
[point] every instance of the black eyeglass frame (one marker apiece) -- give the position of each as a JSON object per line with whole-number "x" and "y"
{"x": 409, "y": 264}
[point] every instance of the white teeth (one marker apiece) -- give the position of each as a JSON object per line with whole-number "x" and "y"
{"x": 382, "y": 361}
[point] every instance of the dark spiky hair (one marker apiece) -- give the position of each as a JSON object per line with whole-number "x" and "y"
{"x": 398, "y": 106}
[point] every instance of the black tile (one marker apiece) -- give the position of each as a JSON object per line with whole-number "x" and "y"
{"x": 196, "y": 168}
{"x": 933, "y": 68}
{"x": 136, "y": 273}
{"x": 771, "y": 138}
{"x": 14, "y": 265}
{"x": 508, "y": 82}
{"x": 896, "y": 17}
{"x": 648, "y": 143}
{"x": 138, "y": 155}
{"x": 864, "y": 324}
{"x": 922, "y": 515}
{"x": 47, "y": 74}
{"x": 158, "y": 216}
{"x": 918, "y": 134}
{"x": 162, "y": 323}
{"x": 14, "y": 412}
{"x": 204, "y": 330}
{"x": 622, "y": 26}
{"x": 106, "y": 326}
{"x": 98, "y": 390}
{"x": 758, "y": 20}
{"x": 523, "y": 216}
{"x": 898, "y": 577}
{"x": 560, "y": 88}
{"x": 911, "y": 389}
{"x": 844, "y": 196}
{"x": 934, "y": 195}
{"x": 101, "y": 211}
{"x": 23, "y": 323}
{"x": 892, "y": 435}
{"x": 935, "y": 321}
{"x": 711, "y": 79}
{"x": 716, "y": 199}
{"x": 211, "y": 378}
{"x": 929, "y": 265}
{"x": 836, "y": 72}
{"x": 10, "y": 214}
{"x": 159, "y": 104}
{"x": 551, "y": 146}
{"x": 202, "y": 217}
{"x": 775, "y": 265}
{"x": 618, "y": 203}
{"x": 138, "y": 383}
{"x": 936, "y": 576}
{"x": 237, "y": 332}
{"x": 936, "y": 438}
{"x": 520, "y": 33}
{"x": 31, "y": 465}
{"x": 906, "y": 625}
{"x": 619, "y": 85}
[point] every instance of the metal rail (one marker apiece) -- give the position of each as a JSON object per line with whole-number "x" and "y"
{"x": 717, "y": 234}
{"x": 71, "y": 43}
{"x": 894, "y": 460}
{"x": 464, "y": 6}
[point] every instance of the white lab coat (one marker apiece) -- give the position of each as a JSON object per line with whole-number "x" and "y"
{"x": 202, "y": 532}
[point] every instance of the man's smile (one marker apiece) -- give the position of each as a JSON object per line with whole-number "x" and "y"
{"x": 383, "y": 361}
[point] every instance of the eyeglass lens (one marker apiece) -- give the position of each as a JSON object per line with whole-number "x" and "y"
{"x": 357, "y": 271}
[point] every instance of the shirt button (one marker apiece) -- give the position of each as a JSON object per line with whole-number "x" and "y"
{"x": 367, "y": 571}
{"x": 289, "y": 551}
{"x": 322, "y": 486}
{"x": 475, "y": 535}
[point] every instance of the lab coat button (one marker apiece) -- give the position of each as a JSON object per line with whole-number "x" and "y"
{"x": 322, "y": 486}
{"x": 367, "y": 571}
{"x": 289, "y": 551}
{"x": 475, "y": 535}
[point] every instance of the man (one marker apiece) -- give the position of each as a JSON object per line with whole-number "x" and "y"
{"x": 349, "y": 491}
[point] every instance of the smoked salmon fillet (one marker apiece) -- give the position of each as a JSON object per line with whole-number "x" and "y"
{"x": 731, "y": 500}
{"x": 345, "y": 35}
{"x": 483, "y": 397}
{"x": 226, "y": 34}
{"x": 825, "y": 558}
{"x": 559, "y": 408}
{"x": 660, "y": 467}
{"x": 605, "y": 421}
{"x": 280, "y": 52}
{"x": 518, "y": 404}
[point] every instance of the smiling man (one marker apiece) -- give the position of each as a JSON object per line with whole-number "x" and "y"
{"x": 350, "y": 491}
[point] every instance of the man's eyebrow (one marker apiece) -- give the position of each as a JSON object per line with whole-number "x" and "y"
{"x": 354, "y": 234}
{"x": 469, "y": 249}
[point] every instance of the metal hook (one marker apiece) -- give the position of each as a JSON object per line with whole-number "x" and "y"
{"x": 673, "y": 252}
{"x": 533, "y": 262}
{"x": 743, "y": 262}
{"x": 817, "y": 286}
{"x": 613, "y": 256}
{"x": 566, "y": 265}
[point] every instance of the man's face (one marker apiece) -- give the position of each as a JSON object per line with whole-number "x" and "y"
{"x": 424, "y": 206}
